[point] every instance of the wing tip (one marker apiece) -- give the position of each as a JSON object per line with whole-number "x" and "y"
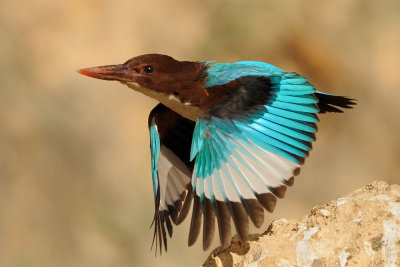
{"x": 268, "y": 200}
{"x": 290, "y": 181}
{"x": 278, "y": 191}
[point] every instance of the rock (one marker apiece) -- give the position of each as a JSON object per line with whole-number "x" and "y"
{"x": 359, "y": 229}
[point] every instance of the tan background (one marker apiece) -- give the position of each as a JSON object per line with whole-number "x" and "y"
{"x": 75, "y": 186}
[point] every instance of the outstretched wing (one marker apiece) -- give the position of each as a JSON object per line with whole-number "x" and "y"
{"x": 247, "y": 150}
{"x": 248, "y": 143}
{"x": 170, "y": 140}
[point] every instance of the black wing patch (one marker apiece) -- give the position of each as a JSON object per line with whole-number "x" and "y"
{"x": 244, "y": 96}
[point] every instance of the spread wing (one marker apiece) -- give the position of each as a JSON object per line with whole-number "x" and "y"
{"x": 247, "y": 150}
{"x": 170, "y": 140}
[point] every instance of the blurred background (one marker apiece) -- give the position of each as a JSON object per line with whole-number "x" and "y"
{"x": 75, "y": 182}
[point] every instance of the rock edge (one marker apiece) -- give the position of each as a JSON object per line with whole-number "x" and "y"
{"x": 359, "y": 229}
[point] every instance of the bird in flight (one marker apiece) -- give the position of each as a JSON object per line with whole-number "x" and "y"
{"x": 227, "y": 137}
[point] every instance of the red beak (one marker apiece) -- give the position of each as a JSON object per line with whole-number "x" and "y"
{"x": 111, "y": 72}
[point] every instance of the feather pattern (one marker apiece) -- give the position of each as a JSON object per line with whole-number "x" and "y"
{"x": 243, "y": 164}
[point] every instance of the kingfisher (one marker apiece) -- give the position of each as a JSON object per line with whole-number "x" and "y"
{"x": 226, "y": 139}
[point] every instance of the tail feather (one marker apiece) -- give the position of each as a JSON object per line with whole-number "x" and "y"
{"x": 332, "y": 103}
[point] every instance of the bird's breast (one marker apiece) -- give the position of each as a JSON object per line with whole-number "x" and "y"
{"x": 184, "y": 109}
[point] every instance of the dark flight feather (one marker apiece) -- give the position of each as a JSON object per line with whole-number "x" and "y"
{"x": 186, "y": 206}
{"x": 255, "y": 211}
{"x": 224, "y": 223}
{"x": 240, "y": 220}
{"x": 268, "y": 201}
{"x": 278, "y": 191}
{"x": 195, "y": 223}
{"x": 208, "y": 223}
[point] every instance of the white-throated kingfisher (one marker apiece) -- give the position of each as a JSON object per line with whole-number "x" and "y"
{"x": 227, "y": 137}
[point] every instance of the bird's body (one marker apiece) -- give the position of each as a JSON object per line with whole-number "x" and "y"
{"x": 229, "y": 137}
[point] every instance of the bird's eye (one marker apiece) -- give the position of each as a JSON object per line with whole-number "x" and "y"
{"x": 148, "y": 69}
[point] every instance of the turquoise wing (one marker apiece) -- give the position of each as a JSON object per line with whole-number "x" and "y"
{"x": 245, "y": 161}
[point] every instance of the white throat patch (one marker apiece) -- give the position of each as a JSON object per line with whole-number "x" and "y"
{"x": 171, "y": 101}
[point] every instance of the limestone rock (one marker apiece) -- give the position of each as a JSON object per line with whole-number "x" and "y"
{"x": 359, "y": 229}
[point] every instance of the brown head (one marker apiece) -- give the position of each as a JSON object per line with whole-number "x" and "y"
{"x": 158, "y": 75}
